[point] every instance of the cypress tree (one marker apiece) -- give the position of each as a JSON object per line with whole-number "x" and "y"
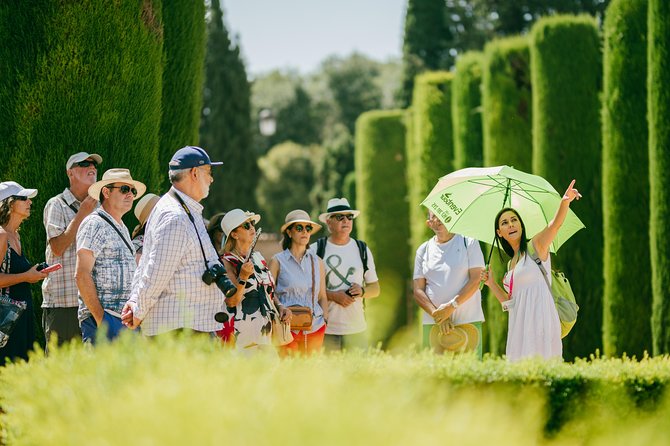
{"x": 424, "y": 44}
{"x": 507, "y": 135}
{"x": 430, "y": 154}
{"x": 384, "y": 221}
{"x": 658, "y": 88}
{"x": 225, "y": 130}
{"x": 183, "y": 73}
{"x": 626, "y": 326}
{"x": 566, "y": 74}
{"x": 466, "y": 106}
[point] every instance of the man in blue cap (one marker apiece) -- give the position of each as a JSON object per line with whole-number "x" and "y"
{"x": 173, "y": 287}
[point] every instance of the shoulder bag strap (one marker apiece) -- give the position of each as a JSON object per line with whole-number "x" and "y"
{"x": 538, "y": 262}
{"x": 313, "y": 283}
{"x": 74, "y": 209}
{"x": 132, "y": 251}
{"x": 190, "y": 217}
{"x": 5, "y": 267}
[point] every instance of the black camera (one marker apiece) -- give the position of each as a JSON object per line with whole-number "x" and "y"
{"x": 216, "y": 273}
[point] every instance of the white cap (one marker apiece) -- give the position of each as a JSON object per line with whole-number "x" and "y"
{"x": 81, "y": 156}
{"x": 235, "y": 218}
{"x": 12, "y": 188}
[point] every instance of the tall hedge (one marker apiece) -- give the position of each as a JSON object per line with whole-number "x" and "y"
{"x": 566, "y": 68}
{"x": 92, "y": 83}
{"x": 626, "y": 324}
{"x": 507, "y": 135}
{"x": 466, "y": 111}
{"x": 384, "y": 221}
{"x": 183, "y": 74}
{"x": 658, "y": 87}
{"x": 430, "y": 154}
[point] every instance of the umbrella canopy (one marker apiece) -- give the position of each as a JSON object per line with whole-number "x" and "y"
{"x": 467, "y": 201}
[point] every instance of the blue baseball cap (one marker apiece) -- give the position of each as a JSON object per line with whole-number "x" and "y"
{"x": 190, "y": 156}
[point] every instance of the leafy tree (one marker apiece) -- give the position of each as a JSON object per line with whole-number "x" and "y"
{"x": 225, "y": 130}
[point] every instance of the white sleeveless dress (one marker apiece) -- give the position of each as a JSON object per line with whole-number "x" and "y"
{"x": 534, "y": 328}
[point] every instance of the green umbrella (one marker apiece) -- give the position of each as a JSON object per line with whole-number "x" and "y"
{"x": 467, "y": 202}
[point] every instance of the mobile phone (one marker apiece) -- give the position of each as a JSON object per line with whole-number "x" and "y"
{"x": 52, "y": 268}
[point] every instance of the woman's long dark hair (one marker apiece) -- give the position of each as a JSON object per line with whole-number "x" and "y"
{"x": 286, "y": 240}
{"x": 502, "y": 242}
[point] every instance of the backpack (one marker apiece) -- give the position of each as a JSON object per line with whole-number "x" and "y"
{"x": 362, "y": 250}
{"x": 561, "y": 291}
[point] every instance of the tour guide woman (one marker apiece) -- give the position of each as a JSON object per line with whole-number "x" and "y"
{"x": 301, "y": 280}
{"x": 534, "y": 328}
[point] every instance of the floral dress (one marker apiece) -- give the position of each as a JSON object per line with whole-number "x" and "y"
{"x": 253, "y": 315}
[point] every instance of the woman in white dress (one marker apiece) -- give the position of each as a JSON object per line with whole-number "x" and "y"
{"x": 534, "y": 327}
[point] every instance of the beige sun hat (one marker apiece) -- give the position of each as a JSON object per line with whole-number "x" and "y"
{"x": 144, "y": 207}
{"x": 235, "y": 218}
{"x": 116, "y": 176}
{"x": 461, "y": 338}
{"x": 298, "y": 216}
{"x": 338, "y": 206}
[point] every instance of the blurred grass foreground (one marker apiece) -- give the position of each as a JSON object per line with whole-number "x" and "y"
{"x": 188, "y": 391}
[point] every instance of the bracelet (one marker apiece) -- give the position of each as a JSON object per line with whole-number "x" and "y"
{"x": 241, "y": 282}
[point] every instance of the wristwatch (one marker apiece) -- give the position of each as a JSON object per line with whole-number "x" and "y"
{"x": 453, "y": 303}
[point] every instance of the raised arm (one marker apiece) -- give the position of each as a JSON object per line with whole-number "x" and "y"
{"x": 542, "y": 241}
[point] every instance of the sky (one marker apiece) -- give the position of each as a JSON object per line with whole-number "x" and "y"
{"x": 300, "y": 34}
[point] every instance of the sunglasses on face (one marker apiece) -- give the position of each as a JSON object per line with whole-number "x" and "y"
{"x": 20, "y": 197}
{"x": 340, "y": 217}
{"x": 86, "y": 163}
{"x": 124, "y": 189}
{"x": 300, "y": 228}
{"x": 248, "y": 225}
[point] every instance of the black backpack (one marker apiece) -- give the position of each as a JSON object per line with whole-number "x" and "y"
{"x": 362, "y": 250}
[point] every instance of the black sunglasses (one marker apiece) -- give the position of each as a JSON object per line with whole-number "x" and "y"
{"x": 20, "y": 197}
{"x": 86, "y": 163}
{"x": 300, "y": 228}
{"x": 248, "y": 225}
{"x": 124, "y": 189}
{"x": 340, "y": 217}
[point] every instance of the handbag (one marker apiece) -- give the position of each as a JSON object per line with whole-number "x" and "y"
{"x": 303, "y": 316}
{"x": 281, "y": 332}
{"x": 10, "y": 309}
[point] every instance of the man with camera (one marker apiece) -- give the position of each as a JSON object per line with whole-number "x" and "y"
{"x": 179, "y": 281}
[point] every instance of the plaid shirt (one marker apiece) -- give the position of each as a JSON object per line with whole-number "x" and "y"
{"x": 59, "y": 289}
{"x": 168, "y": 292}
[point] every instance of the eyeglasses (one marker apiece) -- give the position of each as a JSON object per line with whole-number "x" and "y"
{"x": 300, "y": 228}
{"x": 124, "y": 189}
{"x": 20, "y": 197}
{"x": 248, "y": 225}
{"x": 86, "y": 163}
{"x": 340, "y": 217}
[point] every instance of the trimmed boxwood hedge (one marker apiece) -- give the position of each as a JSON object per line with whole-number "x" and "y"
{"x": 183, "y": 75}
{"x": 658, "y": 87}
{"x": 566, "y": 69}
{"x": 507, "y": 121}
{"x": 381, "y": 193}
{"x": 466, "y": 111}
{"x": 90, "y": 80}
{"x": 626, "y": 326}
{"x": 430, "y": 153}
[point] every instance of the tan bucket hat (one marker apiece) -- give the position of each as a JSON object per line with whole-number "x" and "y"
{"x": 144, "y": 207}
{"x": 116, "y": 176}
{"x": 460, "y": 338}
{"x": 298, "y": 216}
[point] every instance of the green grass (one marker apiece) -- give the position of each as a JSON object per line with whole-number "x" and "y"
{"x": 190, "y": 391}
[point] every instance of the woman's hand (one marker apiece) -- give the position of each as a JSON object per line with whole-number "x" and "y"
{"x": 34, "y": 276}
{"x": 285, "y": 314}
{"x": 247, "y": 270}
{"x": 572, "y": 193}
{"x": 488, "y": 277}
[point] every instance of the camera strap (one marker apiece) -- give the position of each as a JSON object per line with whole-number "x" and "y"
{"x": 132, "y": 251}
{"x": 190, "y": 217}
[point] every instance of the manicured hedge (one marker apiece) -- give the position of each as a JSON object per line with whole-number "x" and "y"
{"x": 626, "y": 326}
{"x": 566, "y": 73}
{"x": 430, "y": 154}
{"x": 658, "y": 87}
{"x": 381, "y": 193}
{"x": 466, "y": 111}
{"x": 183, "y": 74}
{"x": 507, "y": 121}
{"x": 90, "y": 81}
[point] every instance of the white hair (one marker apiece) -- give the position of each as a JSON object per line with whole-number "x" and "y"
{"x": 176, "y": 175}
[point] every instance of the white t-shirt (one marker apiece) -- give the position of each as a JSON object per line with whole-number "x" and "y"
{"x": 445, "y": 266}
{"x": 343, "y": 268}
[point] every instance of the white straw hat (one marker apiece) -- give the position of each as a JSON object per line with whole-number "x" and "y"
{"x": 338, "y": 206}
{"x": 298, "y": 216}
{"x": 235, "y": 218}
